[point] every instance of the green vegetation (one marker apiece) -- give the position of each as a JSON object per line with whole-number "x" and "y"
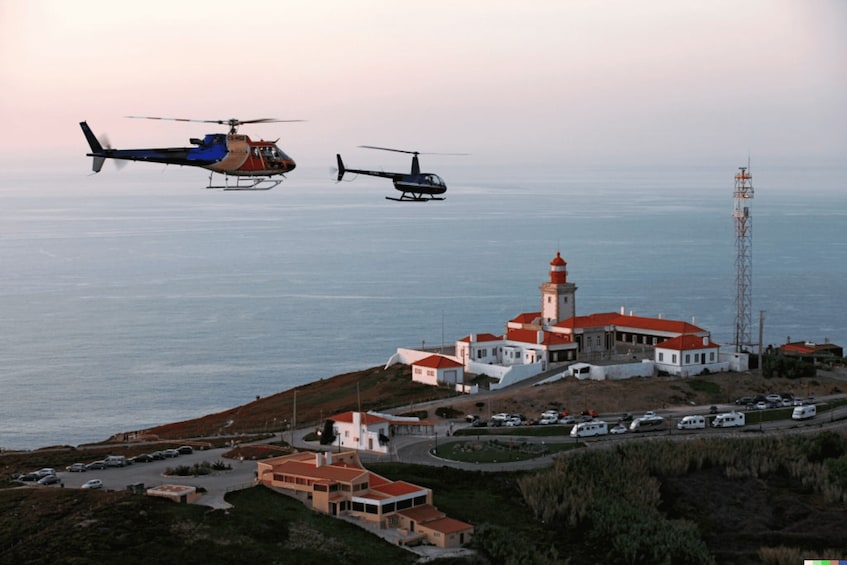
{"x": 499, "y": 451}
{"x": 85, "y": 527}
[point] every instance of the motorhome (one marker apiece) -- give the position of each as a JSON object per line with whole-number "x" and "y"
{"x": 647, "y": 423}
{"x": 691, "y": 423}
{"x": 593, "y": 428}
{"x": 804, "y": 412}
{"x": 115, "y": 461}
{"x": 728, "y": 420}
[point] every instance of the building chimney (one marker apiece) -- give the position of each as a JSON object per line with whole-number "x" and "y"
{"x": 319, "y": 459}
{"x": 329, "y": 457}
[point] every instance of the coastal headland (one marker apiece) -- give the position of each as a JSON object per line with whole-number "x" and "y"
{"x": 391, "y": 389}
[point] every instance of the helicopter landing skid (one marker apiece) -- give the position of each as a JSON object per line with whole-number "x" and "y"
{"x": 244, "y": 183}
{"x": 414, "y": 198}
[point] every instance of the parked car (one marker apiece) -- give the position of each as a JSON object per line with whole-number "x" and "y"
{"x": 45, "y": 471}
{"x": 95, "y": 465}
{"x": 567, "y": 420}
{"x": 185, "y": 450}
{"x": 787, "y": 402}
{"x": 93, "y": 483}
{"x": 513, "y": 422}
{"x": 29, "y": 477}
{"x": 619, "y": 429}
{"x": 744, "y": 400}
{"x": 48, "y": 480}
{"x": 479, "y": 423}
{"x": 76, "y": 468}
{"x": 713, "y": 409}
{"x": 773, "y": 398}
{"x": 798, "y": 402}
{"x": 471, "y": 418}
{"x": 142, "y": 458}
{"x": 761, "y": 405}
{"x": 546, "y": 420}
{"x": 168, "y": 453}
{"x": 650, "y": 414}
{"x": 627, "y": 417}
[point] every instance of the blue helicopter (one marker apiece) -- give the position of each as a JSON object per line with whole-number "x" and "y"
{"x": 254, "y": 164}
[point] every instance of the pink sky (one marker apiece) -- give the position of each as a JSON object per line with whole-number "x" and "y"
{"x": 570, "y": 81}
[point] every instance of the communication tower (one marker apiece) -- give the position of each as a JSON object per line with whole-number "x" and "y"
{"x": 743, "y": 199}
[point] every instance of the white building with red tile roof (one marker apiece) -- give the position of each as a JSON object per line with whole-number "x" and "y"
{"x": 337, "y": 484}
{"x": 371, "y": 431}
{"x": 536, "y": 341}
{"x": 438, "y": 370}
{"x": 689, "y": 355}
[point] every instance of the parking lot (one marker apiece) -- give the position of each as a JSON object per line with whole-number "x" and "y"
{"x": 216, "y": 484}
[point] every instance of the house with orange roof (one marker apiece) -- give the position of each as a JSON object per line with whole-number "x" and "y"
{"x": 811, "y": 351}
{"x": 689, "y": 355}
{"x": 438, "y": 370}
{"x": 337, "y": 484}
{"x": 372, "y": 431}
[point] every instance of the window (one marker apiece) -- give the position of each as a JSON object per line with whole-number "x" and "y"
{"x": 673, "y": 358}
{"x": 712, "y": 356}
{"x": 687, "y": 358}
{"x": 661, "y": 357}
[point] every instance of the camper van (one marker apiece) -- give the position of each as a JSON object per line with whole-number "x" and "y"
{"x": 728, "y": 420}
{"x": 647, "y": 424}
{"x": 691, "y": 423}
{"x": 115, "y": 461}
{"x": 593, "y": 428}
{"x": 804, "y": 412}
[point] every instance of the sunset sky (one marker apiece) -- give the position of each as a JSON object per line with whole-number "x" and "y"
{"x": 528, "y": 83}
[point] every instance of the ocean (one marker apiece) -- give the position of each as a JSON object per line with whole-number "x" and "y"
{"x": 133, "y": 299}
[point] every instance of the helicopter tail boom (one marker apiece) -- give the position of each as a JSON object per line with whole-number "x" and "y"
{"x": 96, "y": 148}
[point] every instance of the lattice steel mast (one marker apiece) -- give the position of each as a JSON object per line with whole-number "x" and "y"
{"x": 743, "y": 199}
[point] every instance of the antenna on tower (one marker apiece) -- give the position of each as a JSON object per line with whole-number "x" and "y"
{"x": 743, "y": 220}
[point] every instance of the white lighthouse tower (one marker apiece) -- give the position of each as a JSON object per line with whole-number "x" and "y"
{"x": 558, "y": 297}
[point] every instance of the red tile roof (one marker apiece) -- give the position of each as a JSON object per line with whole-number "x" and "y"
{"x": 656, "y": 324}
{"x": 437, "y": 362}
{"x": 634, "y": 322}
{"x": 482, "y": 337}
{"x": 367, "y": 419}
{"x": 448, "y": 526}
{"x": 531, "y": 336}
{"x": 397, "y": 488}
{"x": 526, "y": 317}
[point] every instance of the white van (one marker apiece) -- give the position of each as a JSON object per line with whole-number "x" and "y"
{"x": 804, "y": 412}
{"x": 593, "y": 428}
{"x": 115, "y": 461}
{"x": 728, "y": 420}
{"x": 692, "y": 423}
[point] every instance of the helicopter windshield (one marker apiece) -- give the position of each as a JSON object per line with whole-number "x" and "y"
{"x": 434, "y": 180}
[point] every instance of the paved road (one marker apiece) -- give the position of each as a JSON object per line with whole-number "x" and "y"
{"x": 408, "y": 449}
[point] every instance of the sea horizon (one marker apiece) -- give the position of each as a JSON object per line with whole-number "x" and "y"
{"x": 130, "y": 300}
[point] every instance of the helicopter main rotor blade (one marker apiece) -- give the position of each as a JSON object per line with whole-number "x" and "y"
{"x": 406, "y": 151}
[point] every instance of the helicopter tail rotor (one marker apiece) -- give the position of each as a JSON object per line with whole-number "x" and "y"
{"x": 341, "y": 169}
{"x": 96, "y": 147}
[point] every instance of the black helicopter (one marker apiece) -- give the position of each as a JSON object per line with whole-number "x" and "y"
{"x": 415, "y": 186}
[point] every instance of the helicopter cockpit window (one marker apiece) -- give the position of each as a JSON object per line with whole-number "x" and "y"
{"x": 435, "y": 179}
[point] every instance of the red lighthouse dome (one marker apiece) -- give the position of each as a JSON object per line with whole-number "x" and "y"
{"x": 558, "y": 270}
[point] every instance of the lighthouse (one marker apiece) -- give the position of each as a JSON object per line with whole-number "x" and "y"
{"x": 558, "y": 296}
